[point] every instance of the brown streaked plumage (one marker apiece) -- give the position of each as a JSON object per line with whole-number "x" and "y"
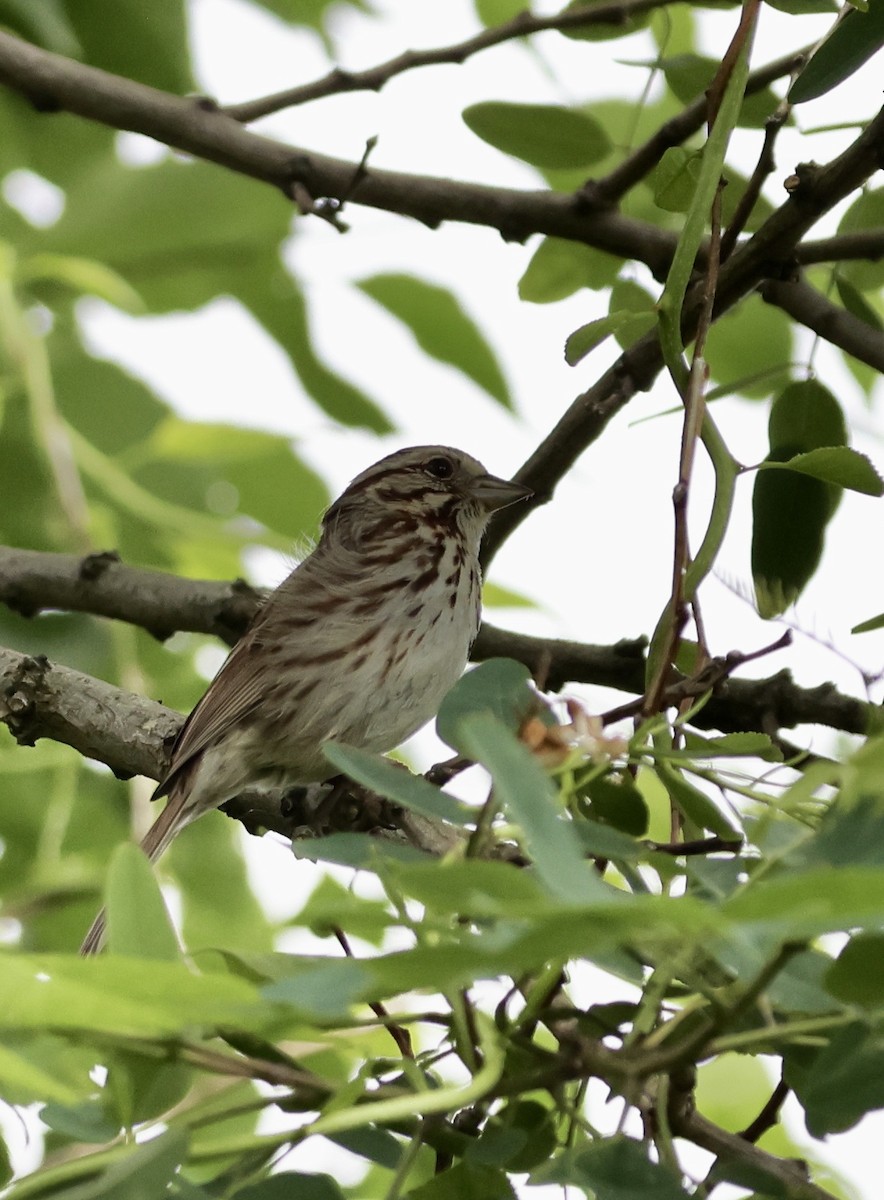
{"x": 359, "y": 644}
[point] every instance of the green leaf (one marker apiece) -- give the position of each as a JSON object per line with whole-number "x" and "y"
{"x": 824, "y": 900}
{"x": 117, "y": 995}
{"x": 287, "y": 1185}
{"x": 43, "y": 24}
{"x": 617, "y": 801}
{"x": 332, "y": 905}
{"x": 603, "y": 841}
{"x": 752, "y": 323}
{"x": 857, "y": 975}
{"x": 693, "y": 804}
{"x": 844, "y": 1081}
{"x": 545, "y": 135}
{"x": 143, "y": 1174}
{"x": 138, "y": 922}
{"x": 559, "y": 268}
{"x": 441, "y": 328}
{"x": 792, "y": 509}
{"x": 616, "y": 1168}
{"x": 270, "y": 483}
{"x": 526, "y": 792}
{"x": 690, "y": 75}
{"x": 675, "y": 178}
{"x": 869, "y": 625}
{"x": 866, "y": 213}
{"x": 749, "y": 743}
{"x": 141, "y": 1088}
{"x": 129, "y": 410}
{"x": 358, "y": 850}
{"x": 396, "y": 782}
{"x": 839, "y": 465}
{"x": 588, "y": 336}
{"x": 629, "y": 297}
{"x": 499, "y": 686}
{"x": 856, "y": 303}
{"x": 466, "y": 1181}
{"x": 175, "y": 232}
{"x": 472, "y": 887}
{"x": 496, "y": 12}
{"x": 313, "y": 14}
{"x": 29, "y": 1073}
{"x": 83, "y": 276}
{"x": 851, "y": 832}
{"x": 852, "y": 41}
{"x": 602, "y": 31}
{"x": 87, "y": 1122}
{"x": 323, "y": 989}
{"x": 148, "y": 43}
{"x": 495, "y": 596}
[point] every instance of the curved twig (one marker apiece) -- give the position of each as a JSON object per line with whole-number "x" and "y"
{"x": 372, "y": 79}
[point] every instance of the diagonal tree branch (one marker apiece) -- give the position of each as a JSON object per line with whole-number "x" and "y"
{"x": 838, "y": 326}
{"x": 613, "y": 186}
{"x": 769, "y": 253}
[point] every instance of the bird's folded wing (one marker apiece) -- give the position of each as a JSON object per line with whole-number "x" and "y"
{"x": 235, "y": 691}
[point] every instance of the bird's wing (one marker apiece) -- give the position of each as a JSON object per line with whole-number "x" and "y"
{"x": 235, "y": 691}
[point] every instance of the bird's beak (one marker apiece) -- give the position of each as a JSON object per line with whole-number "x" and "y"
{"x": 493, "y": 493}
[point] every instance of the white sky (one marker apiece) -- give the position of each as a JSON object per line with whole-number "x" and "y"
{"x": 598, "y": 559}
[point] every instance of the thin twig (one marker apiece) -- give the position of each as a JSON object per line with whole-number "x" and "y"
{"x": 373, "y": 79}
{"x": 604, "y": 192}
{"x": 397, "y": 1032}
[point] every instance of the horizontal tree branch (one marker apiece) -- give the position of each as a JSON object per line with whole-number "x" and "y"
{"x": 868, "y": 243}
{"x": 372, "y": 79}
{"x": 34, "y": 581}
{"x": 40, "y": 699}
{"x": 838, "y": 326}
{"x": 133, "y": 735}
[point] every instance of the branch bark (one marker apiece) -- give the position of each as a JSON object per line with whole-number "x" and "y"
{"x": 33, "y": 581}
{"x": 838, "y": 326}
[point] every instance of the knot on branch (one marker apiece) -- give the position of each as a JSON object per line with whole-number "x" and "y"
{"x": 802, "y": 183}
{"x": 22, "y": 697}
{"x": 234, "y": 613}
{"x": 93, "y": 566}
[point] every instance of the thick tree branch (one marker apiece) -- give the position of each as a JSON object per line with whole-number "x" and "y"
{"x": 32, "y": 581}
{"x": 838, "y": 326}
{"x": 790, "y": 1176}
{"x": 41, "y": 699}
{"x": 53, "y": 83}
{"x": 374, "y": 78}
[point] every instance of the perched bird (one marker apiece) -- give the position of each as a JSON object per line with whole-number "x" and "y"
{"x": 359, "y": 644}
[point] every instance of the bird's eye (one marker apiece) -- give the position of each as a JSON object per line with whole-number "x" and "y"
{"x": 440, "y": 468}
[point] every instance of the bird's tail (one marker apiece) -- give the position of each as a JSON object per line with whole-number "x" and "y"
{"x": 165, "y": 828}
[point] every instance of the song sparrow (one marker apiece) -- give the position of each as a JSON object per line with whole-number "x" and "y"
{"x": 360, "y": 643}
